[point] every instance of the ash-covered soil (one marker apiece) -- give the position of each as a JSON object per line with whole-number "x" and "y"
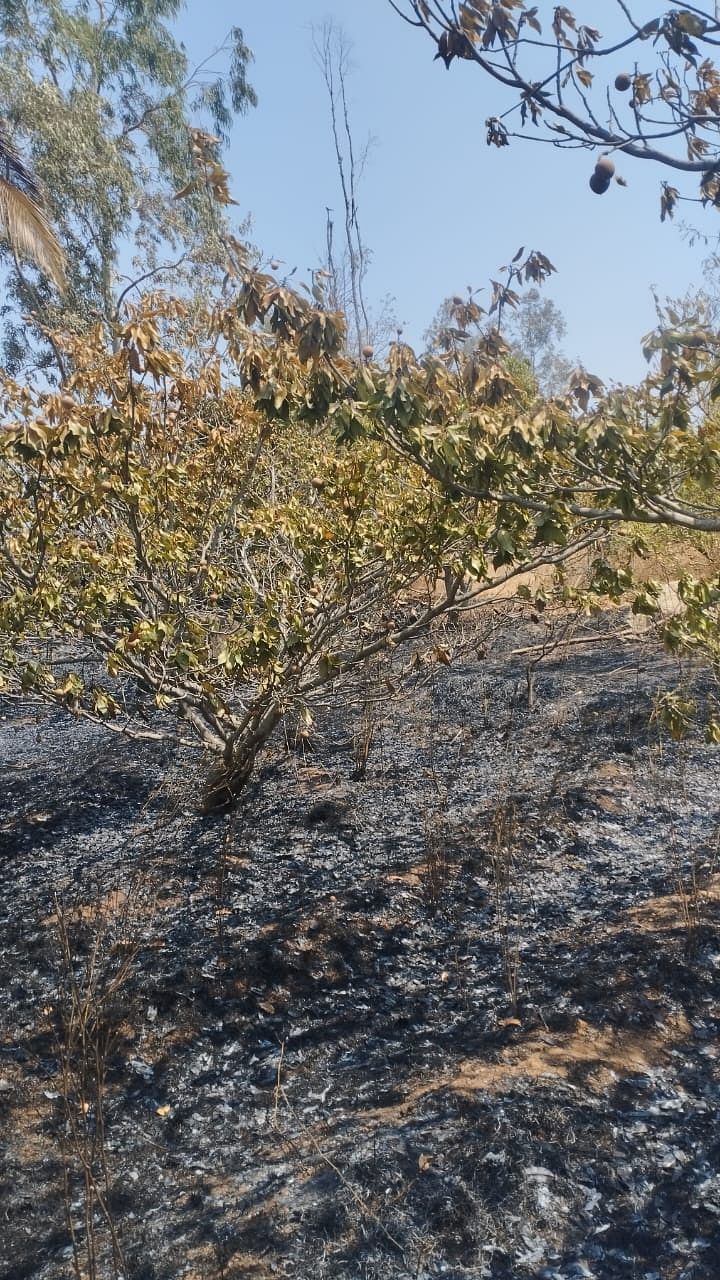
{"x": 457, "y": 1018}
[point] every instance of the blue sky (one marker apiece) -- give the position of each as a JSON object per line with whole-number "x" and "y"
{"x": 438, "y": 208}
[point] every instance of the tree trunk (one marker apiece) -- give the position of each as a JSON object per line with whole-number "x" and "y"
{"x": 225, "y": 783}
{"x": 229, "y": 775}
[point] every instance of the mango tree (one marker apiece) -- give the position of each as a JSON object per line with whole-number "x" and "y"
{"x": 227, "y": 513}
{"x": 620, "y": 82}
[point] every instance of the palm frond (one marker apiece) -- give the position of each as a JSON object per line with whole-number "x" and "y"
{"x": 13, "y": 168}
{"x": 22, "y": 220}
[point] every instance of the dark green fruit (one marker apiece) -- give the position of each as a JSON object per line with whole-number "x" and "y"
{"x": 605, "y": 167}
{"x": 599, "y": 183}
{"x": 623, "y": 82}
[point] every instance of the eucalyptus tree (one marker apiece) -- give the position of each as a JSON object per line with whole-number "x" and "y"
{"x": 535, "y": 330}
{"x": 99, "y": 96}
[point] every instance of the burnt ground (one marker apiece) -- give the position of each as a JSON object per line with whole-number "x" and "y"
{"x": 458, "y": 1018}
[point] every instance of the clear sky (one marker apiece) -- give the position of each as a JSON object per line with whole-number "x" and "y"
{"x": 438, "y": 208}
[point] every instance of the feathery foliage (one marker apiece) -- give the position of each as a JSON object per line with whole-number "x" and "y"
{"x": 101, "y": 99}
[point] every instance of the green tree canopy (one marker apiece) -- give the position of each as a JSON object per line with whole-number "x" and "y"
{"x": 100, "y": 98}
{"x": 535, "y": 328}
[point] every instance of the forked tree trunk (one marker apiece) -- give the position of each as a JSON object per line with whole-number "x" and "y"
{"x": 229, "y": 774}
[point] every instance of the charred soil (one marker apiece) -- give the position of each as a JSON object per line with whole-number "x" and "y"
{"x": 456, "y": 1017}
